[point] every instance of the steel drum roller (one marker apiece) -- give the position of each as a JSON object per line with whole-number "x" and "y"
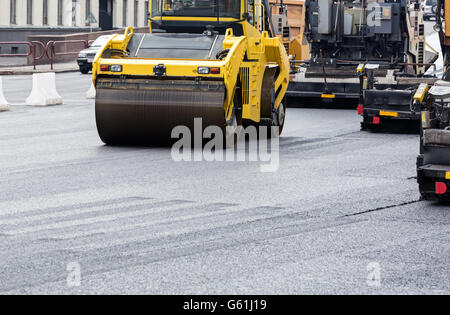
{"x": 145, "y": 110}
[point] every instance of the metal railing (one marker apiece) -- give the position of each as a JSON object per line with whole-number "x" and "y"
{"x": 28, "y": 53}
{"x": 35, "y": 54}
{"x": 31, "y": 50}
{"x": 46, "y": 50}
{"x": 52, "y": 53}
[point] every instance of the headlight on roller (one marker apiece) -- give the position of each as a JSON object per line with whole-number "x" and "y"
{"x": 208, "y": 70}
{"x": 203, "y": 70}
{"x": 115, "y": 68}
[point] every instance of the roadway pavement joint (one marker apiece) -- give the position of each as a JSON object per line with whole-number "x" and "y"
{"x": 384, "y": 208}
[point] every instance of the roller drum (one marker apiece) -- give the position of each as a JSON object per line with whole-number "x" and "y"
{"x": 145, "y": 111}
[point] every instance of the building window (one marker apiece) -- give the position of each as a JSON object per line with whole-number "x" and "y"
{"x": 29, "y": 11}
{"x": 74, "y": 12}
{"x": 60, "y": 12}
{"x": 45, "y": 12}
{"x": 124, "y": 13}
{"x": 146, "y": 13}
{"x": 13, "y": 12}
{"x": 88, "y": 11}
{"x": 136, "y": 6}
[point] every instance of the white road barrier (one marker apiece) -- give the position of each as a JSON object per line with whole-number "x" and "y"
{"x": 4, "y": 106}
{"x": 91, "y": 93}
{"x": 44, "y": 90}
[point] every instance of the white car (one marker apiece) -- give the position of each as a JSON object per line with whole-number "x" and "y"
{"x": 86, "y": 56}
{"x": 429, "y": 9}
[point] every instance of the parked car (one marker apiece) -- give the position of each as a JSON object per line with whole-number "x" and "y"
{"x": 86, "y": 56}
{"x": 429, "y": 9}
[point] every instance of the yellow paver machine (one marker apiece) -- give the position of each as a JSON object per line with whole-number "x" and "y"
{"x": 218, "y": 60}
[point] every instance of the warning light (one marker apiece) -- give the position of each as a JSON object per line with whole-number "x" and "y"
{"x": 360, "y": 110}
{"x": 441, "y": 188}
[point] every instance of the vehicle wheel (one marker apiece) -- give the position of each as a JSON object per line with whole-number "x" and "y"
{"x": 232, "y": 125}
{"x": 84, "y": 70}
{"x": 279, "y": 116}
{"x": 419, "y": 162}
{"x": 365, "y": 124}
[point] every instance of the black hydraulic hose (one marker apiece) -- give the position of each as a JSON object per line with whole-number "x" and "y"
{"x": 269, "y": 17}
{"x": 324, "y": 72}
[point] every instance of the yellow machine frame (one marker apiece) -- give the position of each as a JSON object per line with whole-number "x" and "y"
{"x": 261, "y": 51}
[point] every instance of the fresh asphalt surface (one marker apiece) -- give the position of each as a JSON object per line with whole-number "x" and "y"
{"x": 138, "y": 222}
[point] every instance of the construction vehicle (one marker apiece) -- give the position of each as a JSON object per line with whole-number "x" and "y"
{"x": 433, "y": 163}
{"x": 218, "y": 60}
{"x": 344, "y": 34}
{"x": 390, "y": 109}
{"x": 289, "y": 20}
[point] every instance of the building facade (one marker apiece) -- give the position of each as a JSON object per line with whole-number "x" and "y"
{"x": 104, "y": 14}
{"x": 20, "y": 19}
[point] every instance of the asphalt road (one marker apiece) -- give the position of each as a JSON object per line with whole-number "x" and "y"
{"x": 135, "y": 221}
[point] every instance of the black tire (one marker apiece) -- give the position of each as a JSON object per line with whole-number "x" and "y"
{"x": 424, "y": 197}
{"x": 234, "y": 123}
{"x": 366, "y": 124}
{"x": 279, "y": 116}
{"x": 84, "y": 70}
{"x": 419, "y": 162}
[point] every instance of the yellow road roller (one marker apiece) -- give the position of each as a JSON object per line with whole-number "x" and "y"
{"x": 218, "y": 60}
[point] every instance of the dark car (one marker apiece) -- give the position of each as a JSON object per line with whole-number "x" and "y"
{"x": 86, "y": 56}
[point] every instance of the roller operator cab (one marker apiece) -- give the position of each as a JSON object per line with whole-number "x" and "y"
{"x": 217, "y": 60}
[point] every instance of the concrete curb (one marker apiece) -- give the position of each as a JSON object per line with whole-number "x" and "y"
{"x": 12, "y": 66}
{"x": 29, "y": 72}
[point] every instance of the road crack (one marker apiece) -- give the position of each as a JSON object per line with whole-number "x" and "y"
{"x": 384, "y": 208}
